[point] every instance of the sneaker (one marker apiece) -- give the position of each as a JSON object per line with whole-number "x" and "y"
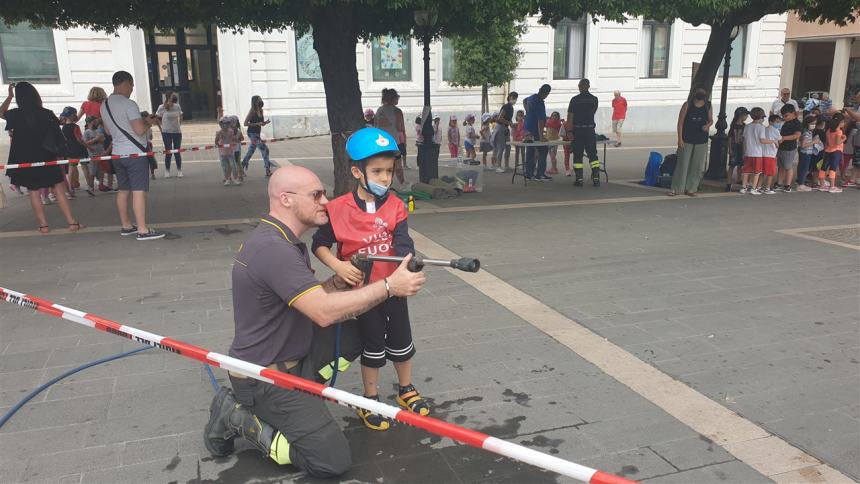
{"x": 500, "y": 170}
{"x": 755, "y": 191}
{"x": 803, "y": 188}
{"x": 823, "y": 188}
{"x": 744, "y": 190}
{"x": 268, "y": 172}
{"x": 179, "y": 174}
{"x": 152, "y": 176}
{"x": 237, "y": 182}
{"x": 577, "y": 182}
{"x": 45, "y": 201}
{"x": 131, "y": 231}
{"x": 787, "y": 189}
{"x": 728, "y": 187}
{"x": 849, "y": 184}
{"x": 226, "y": 183}
{"x": 835, "y": 190}
{"x": 90, "y": 192}
{"x": 547, "y": 178}
{"x": 770, "y": 191}
{"x": 409, "y": 398}
{"x": 372, "y": 420}
{"x": 52, "y": 197}
{"x": 167, "y": 174}
{"x": 568, "y": 173}
{"x": 151, "y": 235}
{"x": 778, "y": 188}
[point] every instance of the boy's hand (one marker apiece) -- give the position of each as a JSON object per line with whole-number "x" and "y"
{"x": 349, "y": 273}
{"x": 404, "y": 283}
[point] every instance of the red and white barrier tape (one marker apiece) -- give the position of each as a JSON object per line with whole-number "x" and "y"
{"x": 284, "y": 380}
{"x": 75, "y": 161}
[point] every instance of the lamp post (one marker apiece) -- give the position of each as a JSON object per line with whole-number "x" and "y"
{"x": 719, "y": 141}
{"x": 428, "y": 152}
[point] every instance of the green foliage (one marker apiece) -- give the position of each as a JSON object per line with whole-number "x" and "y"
{"x": 489, "y": 58}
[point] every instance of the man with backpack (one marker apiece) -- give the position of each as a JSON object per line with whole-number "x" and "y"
{"x": 122, "y": 120}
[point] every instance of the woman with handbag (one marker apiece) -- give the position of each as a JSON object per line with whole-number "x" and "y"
{"x": 36, "y": 137}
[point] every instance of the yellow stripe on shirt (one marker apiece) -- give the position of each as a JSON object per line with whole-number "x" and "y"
{"x": 318, "y": 286}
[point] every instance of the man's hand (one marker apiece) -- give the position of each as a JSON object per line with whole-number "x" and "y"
{"x": 404, "y": 283}
{"x": 11, "y": 90}
{"x": 349, "y": 273}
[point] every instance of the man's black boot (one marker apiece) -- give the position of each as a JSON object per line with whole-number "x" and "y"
{"x": 218, "y": 436}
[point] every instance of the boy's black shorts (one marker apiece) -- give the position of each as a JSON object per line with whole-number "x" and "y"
{"x": 386, "y": 333}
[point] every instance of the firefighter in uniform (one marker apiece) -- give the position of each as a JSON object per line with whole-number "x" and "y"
{"x": 580, "y": 115}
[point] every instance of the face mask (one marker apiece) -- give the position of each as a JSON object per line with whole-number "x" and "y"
{"x": 377, "y": 189}
{"x": 700, "y": 96}
{"x": 777, "y": 125}
{"x": 811, "y": 127}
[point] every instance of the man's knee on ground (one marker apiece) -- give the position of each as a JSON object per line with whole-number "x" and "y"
{"x": 327, "y": 454}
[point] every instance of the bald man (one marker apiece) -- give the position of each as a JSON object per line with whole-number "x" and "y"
{"x": 283, "y": 319}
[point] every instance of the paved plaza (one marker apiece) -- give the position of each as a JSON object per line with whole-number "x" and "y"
{"x": 674, "y": 340}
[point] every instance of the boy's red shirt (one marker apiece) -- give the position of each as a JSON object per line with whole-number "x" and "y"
{"x": 360, "y": 232}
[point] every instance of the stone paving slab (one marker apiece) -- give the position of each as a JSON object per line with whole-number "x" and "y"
{"x": 658, "y": 281}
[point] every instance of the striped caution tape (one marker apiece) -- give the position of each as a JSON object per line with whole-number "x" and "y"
{"x": 75, "y": 161}
{"x": 284, "y": 380}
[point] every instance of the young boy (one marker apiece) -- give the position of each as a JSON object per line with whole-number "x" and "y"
{"x": 471, "y": 136}
{"x": 75, "y": 148}
{"x": 770, "y": 143}
{"x": 787, "y": 153}
{"x": 94, "y": 140}
{"x": 753, "y": 161}
{"x": 370, "y": 221}
{"x": 808, "y": 141}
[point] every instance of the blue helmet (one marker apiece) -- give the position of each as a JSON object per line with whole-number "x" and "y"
{"x": 368, "y": 142}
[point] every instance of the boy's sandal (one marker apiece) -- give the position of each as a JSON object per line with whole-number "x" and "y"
{"x": 371, "y": 420}
{"x": 411, "y": 400}
{"x": 76, "y": 226}
{"x": 44, "y": 229}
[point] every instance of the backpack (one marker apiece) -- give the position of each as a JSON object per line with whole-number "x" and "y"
{"x": 668, "y": 166}
{"x": 652, "y": 169}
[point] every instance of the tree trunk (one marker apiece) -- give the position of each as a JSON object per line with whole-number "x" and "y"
{"x": 485, "y": 99}
{"x": 718, "y": 43}
{"x": 336, "y": 51}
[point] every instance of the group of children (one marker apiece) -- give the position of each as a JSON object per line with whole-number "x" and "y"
{"x": 482, "y": 140}
{"x": 229, "y": 138}
{"x": 89, "y": 143}
{"x": 823, "y": 150}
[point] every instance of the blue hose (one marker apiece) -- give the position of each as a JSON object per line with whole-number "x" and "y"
{"x": 38, "y": 390}
{"x": 106, "y": 359}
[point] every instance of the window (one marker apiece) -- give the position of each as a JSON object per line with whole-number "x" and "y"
{"x": 27, "y": 54}
{"x": 739, "y": 55}
{"x": 654, "y": 58}
{"x": 569, "y": 49}
{"x": 307, "y": 60}
{"x": 392, "y": 59}
{"x": 448, "y": 65}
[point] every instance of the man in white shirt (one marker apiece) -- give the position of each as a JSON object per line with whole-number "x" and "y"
{"x": 783, "y": 99}
{"x": 121, "y": 118}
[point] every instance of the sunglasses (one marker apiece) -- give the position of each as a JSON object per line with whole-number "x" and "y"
{"x": 316, "y": 194}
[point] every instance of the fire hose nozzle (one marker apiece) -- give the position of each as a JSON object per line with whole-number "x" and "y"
{"x": 465, "y": 264}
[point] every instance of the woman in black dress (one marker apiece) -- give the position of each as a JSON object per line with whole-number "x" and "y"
{"x": 31, "y": 127}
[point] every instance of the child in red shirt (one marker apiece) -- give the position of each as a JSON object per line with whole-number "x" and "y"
{"x": 370, "y": 221}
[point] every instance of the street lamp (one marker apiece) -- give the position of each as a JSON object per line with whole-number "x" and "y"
{"x": 428, "y": 152}
{"x": 719, "y": 141}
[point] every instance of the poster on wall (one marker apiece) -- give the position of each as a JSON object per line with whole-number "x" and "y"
{"x": 307, "y": 61}
{"x": 391, "y": 59}
{"x": 390, "y": 52}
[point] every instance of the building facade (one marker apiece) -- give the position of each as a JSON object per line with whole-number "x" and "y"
{"x": 217, "y": 72}
{"x": 822, "y": 58}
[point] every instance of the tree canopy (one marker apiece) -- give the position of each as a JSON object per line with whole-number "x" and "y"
{"x": 488, "y": 59}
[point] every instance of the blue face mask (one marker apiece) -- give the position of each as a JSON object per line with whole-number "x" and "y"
{"x": 377, "y": 189}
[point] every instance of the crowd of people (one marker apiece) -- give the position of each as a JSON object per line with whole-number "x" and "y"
{"x": 491, "y": 134}
{"x": 789, "y": 149}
